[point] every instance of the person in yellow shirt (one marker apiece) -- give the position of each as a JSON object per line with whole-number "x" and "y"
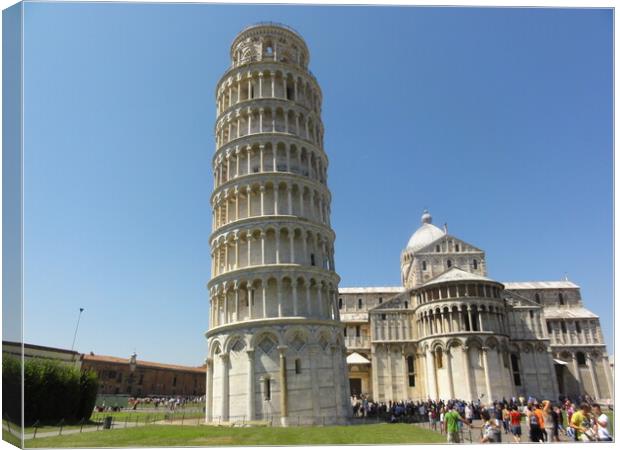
{"x": 581, "y": 422}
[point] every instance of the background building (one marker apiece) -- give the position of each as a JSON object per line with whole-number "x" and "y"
{"x": 136, "y": 378}
{"x": 122, "y": 376}
{"x": 450, "y": 331}
{"x": 40, "y": 351}
{"x": 275, "y": 343}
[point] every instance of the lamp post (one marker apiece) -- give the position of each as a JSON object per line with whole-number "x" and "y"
{"x": 76, "y": 328}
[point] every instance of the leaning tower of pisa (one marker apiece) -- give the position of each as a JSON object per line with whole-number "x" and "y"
{"x": 275, "y": 340}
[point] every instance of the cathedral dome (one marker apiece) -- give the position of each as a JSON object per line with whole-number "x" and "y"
{"x": 426, "y": 234}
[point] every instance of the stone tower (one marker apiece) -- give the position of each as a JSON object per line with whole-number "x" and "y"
{"x": 275, "y": 340}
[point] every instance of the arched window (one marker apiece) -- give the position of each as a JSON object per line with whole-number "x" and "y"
{"x": 359, "y": 303}
{"x": 531, "y": 314}
{"x": 449, "y": 262}
{"x": 439, "y": 358}
{"x": 340, "y": 303}
{"x": 312, "y": 259}
{"x": 423, "y": 265}
{"x": 406, "y": 305}
{"x": 411, "y": 370}
{"x": 561, "y": 298}
{"x": 581, "y": 359}
{"x": 298, "y": 366}
{"x": 475, "y": 263}
{"x": 457, "y": 248}
{"x": 267, "y": 389}
{"x": 537, "y": 298}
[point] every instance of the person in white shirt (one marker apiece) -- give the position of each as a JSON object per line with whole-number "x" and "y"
{"x": 469, "y": 414}
{"x": 601, "y": 423}
{"x": 602, "y": 433}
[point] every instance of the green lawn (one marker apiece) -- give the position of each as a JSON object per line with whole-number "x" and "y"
{"x": 176, "y": 435}
{"x": 10, "y": 438}
{"x": 119, "y": 419}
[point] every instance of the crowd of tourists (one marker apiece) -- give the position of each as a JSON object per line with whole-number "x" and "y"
{"x": 171, "y": 403}
{"x": 519, "y": 419}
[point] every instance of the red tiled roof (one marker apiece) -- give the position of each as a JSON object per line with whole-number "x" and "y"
{"x": 140, "y": 363}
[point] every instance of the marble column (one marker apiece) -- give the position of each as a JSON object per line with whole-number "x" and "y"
{"x": 487, "y": 375}
{"x": 283, "y": 387}
{"x": 225, "y": 387}
{"x": 467, "y": 372}
{"x": 577, "y": 373}
{"x": 316, "y": 394}
{"x": 608, "y": 377}
{"x": 390, "y": 384}
{"x": 597, "y": 392}
{"x": 279, "y": 287}
{"x": 374, "y": 374}
{"x": 554, "y": 378}
{"x": 449, "y": 367}
{"x": 340, "y": 373}
{"x": 251, "y": 385}
{"x": 295, "y": 302}
{"x": 432, "y": 374}
{"x": 209, "y": 390}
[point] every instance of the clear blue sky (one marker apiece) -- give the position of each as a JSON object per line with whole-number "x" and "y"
{"x": 497, "y": 120}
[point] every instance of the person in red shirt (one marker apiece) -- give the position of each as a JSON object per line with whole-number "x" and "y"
{"x": 515, "y": 424}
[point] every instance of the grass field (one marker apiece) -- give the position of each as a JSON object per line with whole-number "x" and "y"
{"x": 8, "y": 437}
{"x": 119, "y": 419}
{"x": 176, "y": 435}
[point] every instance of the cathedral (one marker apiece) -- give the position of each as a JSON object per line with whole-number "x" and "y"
{"x": 286, "y": 345}
{"x": 452, "y": 332}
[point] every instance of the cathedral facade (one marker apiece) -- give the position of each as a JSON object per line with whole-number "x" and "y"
{"x": 452, "y": 332}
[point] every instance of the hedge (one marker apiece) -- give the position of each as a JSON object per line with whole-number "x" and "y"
{"x": 11, "y": 388}
{"x": 52, "y": 390}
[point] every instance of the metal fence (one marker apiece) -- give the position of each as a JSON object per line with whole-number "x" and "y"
{"x": 102, "y": 421}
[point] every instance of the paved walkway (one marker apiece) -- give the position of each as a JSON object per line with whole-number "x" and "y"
{"x": 473, "y": 434}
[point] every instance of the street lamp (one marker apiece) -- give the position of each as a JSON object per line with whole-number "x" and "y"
{"x": 76, "y": 328}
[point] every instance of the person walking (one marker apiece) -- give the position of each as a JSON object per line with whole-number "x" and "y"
{"x": 452, "y": 420}
{"x": 535, "y": 422}
{"x": 469, "y": 413}
{"x": 581, "y": 423}
{"x": 490, "y": 431}
{"x": 547, "y": 421}
{"x": 602, "y": 433}
{"x": 506, "y": 418}
{"x": 515, "y": 424}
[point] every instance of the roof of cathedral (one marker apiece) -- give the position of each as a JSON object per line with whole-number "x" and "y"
{"x": 568, "y": 313}
{"x": 564, "y": 284}
{"x": 371, "y": 290}
{"x": 426, "y": 234}
{"x": 457, "y": 274}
